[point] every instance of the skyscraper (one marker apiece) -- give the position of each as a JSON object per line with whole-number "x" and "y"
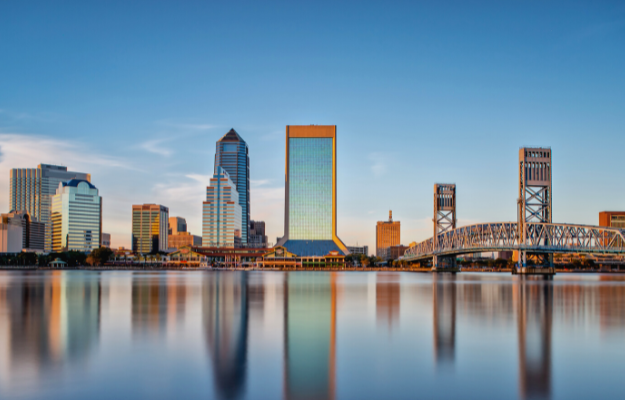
{"x": 221, "y": 212}
{"x": 232, "y": 155}
{"x": 76, "y": 217}
{"x": 310, "y": 191}
{"x": 149, "y": 228}
{"x": 31, "y": 189}
{"x": 387, "y": 234}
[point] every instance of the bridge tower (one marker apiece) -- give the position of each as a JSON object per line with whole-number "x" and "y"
{"x": 534, "y": 202}
{"x": 444, "y": 220}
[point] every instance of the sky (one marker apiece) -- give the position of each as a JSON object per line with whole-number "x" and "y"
{"x": 137, "y": 93}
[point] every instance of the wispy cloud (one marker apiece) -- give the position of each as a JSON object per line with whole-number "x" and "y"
{"x": 259, "y": 182}
{"x": 378, "y": 164}
{"x": 187, "y": 126}
{"x": 156, "y": 146}
{"x": 20, "y": 115}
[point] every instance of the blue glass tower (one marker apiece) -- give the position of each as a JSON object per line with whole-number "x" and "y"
{"x": 233, "y": 156}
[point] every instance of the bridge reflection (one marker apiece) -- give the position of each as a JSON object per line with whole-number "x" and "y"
{"x": 444, "y": 311}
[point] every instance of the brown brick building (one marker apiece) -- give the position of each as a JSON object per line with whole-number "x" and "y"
{"x": 387, "y": 234}
{"x": 614, "y": 219}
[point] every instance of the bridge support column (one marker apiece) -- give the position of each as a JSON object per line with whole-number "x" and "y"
{"x": 444, "y": 264}
{"x": 534, "y": 264}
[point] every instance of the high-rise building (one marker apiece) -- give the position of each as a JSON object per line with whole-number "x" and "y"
{"x": 30, "y": 235}
{"x": 149, "y": 228}
{"x": 613, "y": 219}
{"x": 177, "y": 225}
{"x": 387, "y": 234}
{"x": 221, "y": 212}
{"x": 76, "y": 217}
{"x": 310, "y": 191}
{"x": 31, "y": 189}
{"x": 257, "y": 237}
{"x": 233, "y": 156}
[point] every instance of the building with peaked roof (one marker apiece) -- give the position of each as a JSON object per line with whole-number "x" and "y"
{"x": 233, "y": 156}
{"x": 76, "y": 217}
{"x": 310, "y": 191}
{"x": 221, "y": 212}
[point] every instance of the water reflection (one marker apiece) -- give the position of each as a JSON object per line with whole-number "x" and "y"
{"x": 225, "y": 313}
{"x": 535, "y": 315}
{"x": 47, "y": 322}
{"x": 308, "y": 335}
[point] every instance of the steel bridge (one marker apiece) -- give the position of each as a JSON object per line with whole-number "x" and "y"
{"x": 534, "y": 236}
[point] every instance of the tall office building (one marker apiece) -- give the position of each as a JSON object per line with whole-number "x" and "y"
{"x": 31, "y": 189}
{"x": 310, "y": 191}
{"x": 177, "y": 225}
{"x": 76, "y": 217}
{"x": 233, "y": 156}
{"x": 149, "y": 228}
{"x": 221, "y": 212}
{"x": 387, "y": 234}
{"x": 257, "y": 237}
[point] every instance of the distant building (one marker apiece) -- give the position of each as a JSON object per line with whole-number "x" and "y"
{"x": 233, "y": 156}
{"x": 149, "y": 228}
{"x": 257, "y": 237}
{"x": 176, "y": 225}
{"x": 221, "y": 212}
{"x": 387, "y": 234}
{"x": 106, "y": 240}
{"x": 32, "y": 189}
{"x": 76, "y": 217}
{"x": 30, "y": 237}
{"x": 613, "y": 219}
{"x": 392, "y": 252}
{"x": 359, "y": 250}
{"x": 310, "y": 191}
{"x": 184, "y": 239}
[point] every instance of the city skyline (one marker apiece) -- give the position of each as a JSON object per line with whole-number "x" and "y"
{"x": 417, "y": 102}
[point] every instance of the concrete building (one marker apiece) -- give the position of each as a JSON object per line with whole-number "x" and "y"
{"x": 232, "y": 155}
{"x": 221, "y": 212}
{"x": 32, "y": 189}
{"x": 387, "y": 234}
{"x": 613, "y": 219}
{"x": 359, "y": 250}
{"x": 32, "y": 236}
{"x": 392, "y": 252}
{"x": 257, "y": 237}
{"x": 106, "y": 240}
{"x": 76, "y": 217}
{"x": 149, "y": 228}
{"x": 310, "y": 191}
{"x": 184, "y": 239}
{"x": 176, "y": 225}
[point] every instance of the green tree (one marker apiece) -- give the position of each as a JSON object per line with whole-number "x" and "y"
{"x": 99, "y": 256}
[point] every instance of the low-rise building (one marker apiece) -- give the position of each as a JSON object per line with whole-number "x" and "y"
{"x": 392, "y": 252}
{"x": 182, "y": 239}
{"x": 257, "y": 237}
{"x": 106, "y": 240}
{"x": 358, "y": 250}
{"x": 29, "y": 236}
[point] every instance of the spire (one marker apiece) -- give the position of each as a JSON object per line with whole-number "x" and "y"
{"x": 231, "y": 136}
{"x": 390, "y": 215}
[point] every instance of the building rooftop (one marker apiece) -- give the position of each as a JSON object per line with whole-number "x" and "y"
{"x": 231, "y": 136}
{"x": 75, "y": 182}
{"x": 308, "y": 248}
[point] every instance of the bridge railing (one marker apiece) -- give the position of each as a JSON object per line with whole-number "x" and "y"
{"x": 501, "y": 236}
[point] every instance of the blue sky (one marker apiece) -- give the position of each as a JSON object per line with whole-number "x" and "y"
{"x": 136, "y": 93}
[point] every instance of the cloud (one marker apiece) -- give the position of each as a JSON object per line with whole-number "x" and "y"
{"x": 19, "y": 115}
{"x": 153, "y": 146}
{"x": 194, "y": 127}
{"x": 258, "y": 182}
{"x": 379, "y": 165}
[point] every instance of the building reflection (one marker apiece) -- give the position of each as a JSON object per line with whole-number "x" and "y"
{"x": 310, "y": 306}
{"x": 387, "y": 299}
{"x": 444, "y": 312}
{"x": 225, "y": 316}
{"x": 535, "y": 316}
{"x": 47, "y": 322}
{"x": 158, "y": 302}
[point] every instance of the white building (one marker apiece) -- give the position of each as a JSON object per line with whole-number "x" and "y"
{"x": 221, "y": 212}
{"x": 76, "y": 217}
{"x": 358, "y": 250}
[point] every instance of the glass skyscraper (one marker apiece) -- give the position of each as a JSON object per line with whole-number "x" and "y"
{"x": 310, "y": 191}
{"x": 149, "y": 228}
{"x": 233, "y": 156}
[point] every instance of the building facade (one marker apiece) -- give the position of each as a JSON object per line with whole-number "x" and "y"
{"x": 392, "y": 252}
{"x": 149, "y": 228}
{"x": 106, "y": 240}
{"x": 613, "y": 219}
{"x": 176, "y": 225}
{"x": 221, "y": 212}
{"x": 182, "y": 239}
{"x": 310, "y": 191}
{"x": 232, "y": 155}
{"x": 32, "y": 189}
{"x": 31, "y": 236}
{"x": 358, "y": 250}
{"x": 387, "y": 234}
{"x": 257, "y": 237}
{"x": 76, "y": 217}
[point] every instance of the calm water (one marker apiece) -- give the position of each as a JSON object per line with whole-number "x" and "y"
{"x": 310, "y": 335}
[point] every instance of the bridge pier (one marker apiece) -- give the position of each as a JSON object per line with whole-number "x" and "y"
{"x": 444, "y": 264}
{"x": 540, "y": 264}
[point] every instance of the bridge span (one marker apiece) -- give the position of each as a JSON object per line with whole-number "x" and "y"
{"x": 534, "y": 236}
